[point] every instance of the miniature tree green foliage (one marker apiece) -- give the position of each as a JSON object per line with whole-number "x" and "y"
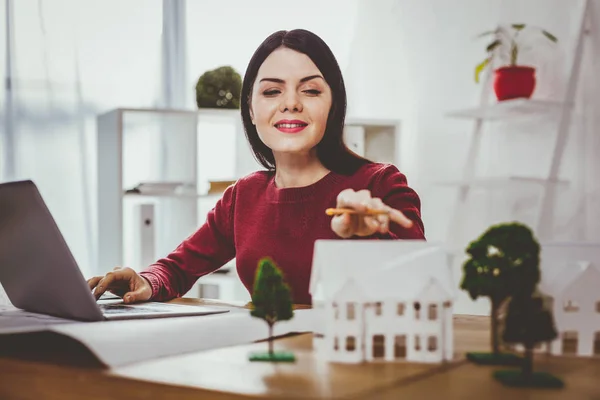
{"x": 528, "y": 322}
{"x": 503, "y": 261}
{"x": 271, "y": 300}
{"x": 219, "y": 88}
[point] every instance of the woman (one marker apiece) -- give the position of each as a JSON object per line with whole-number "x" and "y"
{"x": 293, "y": 109}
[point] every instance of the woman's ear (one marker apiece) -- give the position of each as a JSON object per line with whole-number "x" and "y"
{"x": 251, "y": 115}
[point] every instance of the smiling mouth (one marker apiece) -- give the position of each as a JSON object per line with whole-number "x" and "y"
{"x": 291, "y": 127}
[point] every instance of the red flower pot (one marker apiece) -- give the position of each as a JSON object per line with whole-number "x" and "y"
{"x": 514, "y": 82}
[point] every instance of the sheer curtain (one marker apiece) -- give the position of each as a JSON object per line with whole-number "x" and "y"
{"x": 64, "y": 62}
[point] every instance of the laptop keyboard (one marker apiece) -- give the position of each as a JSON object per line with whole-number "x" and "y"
{"x": 120, "y": 309}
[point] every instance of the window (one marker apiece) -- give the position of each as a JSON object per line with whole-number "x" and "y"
{"x": 571, "y": 306}
{"x": 598, "y": 306}
{"x": 378, "y": 308}
{"x": 378, "y": 346}
{"x": 417, "y": 343}
{"x": 570, "y": 341}
{"x": 597, "y": 344}
{"x": 350, "y": 343}
{"x": 351, "y": 311}
{"x": 447, "y": 304}
{"x": 400, "y": 309}
{"x": 432, "y": 343}
{"x": 417, "y": 306}
{"x": 400, "y": 346}
{"x": 336, "y": 311}
{"x": 433, "y": 312}
{"x": 336, "y": 343}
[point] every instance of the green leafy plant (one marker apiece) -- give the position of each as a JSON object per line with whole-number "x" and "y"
{"x": 271, "y": 302}
{"x": 504, "y": 261}
{"x": 528, "y": 322}
{"x": 509, "y": 41}
{"x": 219, "y": 88}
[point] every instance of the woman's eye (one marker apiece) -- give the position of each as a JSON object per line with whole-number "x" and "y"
{"x": 313, "y": 92}
{"x": 271, "y": 92}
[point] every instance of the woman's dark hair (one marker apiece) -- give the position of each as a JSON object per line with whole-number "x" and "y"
{"x": 331, "y": 150}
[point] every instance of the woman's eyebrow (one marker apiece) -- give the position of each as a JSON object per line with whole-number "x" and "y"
{"x": 305, "y": 79}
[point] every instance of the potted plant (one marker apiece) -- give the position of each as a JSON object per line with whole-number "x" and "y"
{"x": 219, "y": 88}
{"x": 513, "y": 80}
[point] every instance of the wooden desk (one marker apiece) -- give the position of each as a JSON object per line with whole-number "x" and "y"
{"x": 227, "y": 374}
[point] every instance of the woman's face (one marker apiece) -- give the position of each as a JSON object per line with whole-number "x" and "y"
{"x": 290, "y": 103}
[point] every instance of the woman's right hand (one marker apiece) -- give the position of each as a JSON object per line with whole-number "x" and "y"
{"x": 124, "y": 282}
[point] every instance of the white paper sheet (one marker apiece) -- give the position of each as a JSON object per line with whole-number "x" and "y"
{"x": 117, "y": 343}
{"x": 14, "y": 320}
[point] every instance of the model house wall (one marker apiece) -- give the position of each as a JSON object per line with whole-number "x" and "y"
{"x": 393, "y": 305}
{"x": 571, "y": 280}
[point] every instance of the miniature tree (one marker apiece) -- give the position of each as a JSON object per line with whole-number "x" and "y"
{"x": 528, "y": 323}
{"x": 504, "y": 260}
{"x": 272, "y": 302}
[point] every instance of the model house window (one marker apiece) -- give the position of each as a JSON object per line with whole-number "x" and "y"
{"x": 336, "y": 343}
{"x": 400, "y": 309}
{"x": 433, "y": 312}
{"x": 417, "y": 306}
{"x": 571, "y": 306}
{"x": 400, "y": 346}
{"x": 570, "y": 343}
{"x": 378, "y": 308}
{"x": 597, "y": 344}
{"x": 350, "y": 343}
{"x": 432, "y": 343}
{"x": 336, "y": 311}
{"x": 378, "y": 346}
{"x": 417, "y": 342}
{"x": 598, "y": 306}
{"x": 351, "y": 311}
{"x": 447, "y": 304}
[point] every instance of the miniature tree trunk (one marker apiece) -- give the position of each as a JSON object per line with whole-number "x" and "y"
{"x": 270, "y": 338}
{"x": 494, "y": 328}
{"x": 527, "y": 369}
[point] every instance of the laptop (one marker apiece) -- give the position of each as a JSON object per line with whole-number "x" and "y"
{"x": 40, "y": 274}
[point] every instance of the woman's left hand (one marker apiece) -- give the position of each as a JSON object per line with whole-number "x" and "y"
{"x": 347, "y": 225}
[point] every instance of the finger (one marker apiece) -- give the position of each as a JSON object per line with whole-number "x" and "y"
{"x": 134, "y": 295}
{"x": 355, "y": 200}
{"x": 401, "y": 219}
{"x": 382, "y": 219}
{"x": 342, "y": 225}
{"x": 92, "y": 282}
{"x": 108, "y": 279}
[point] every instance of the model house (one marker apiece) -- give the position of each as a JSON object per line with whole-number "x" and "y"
{"x": 571, "y": 280}
{"x": 383, "y": 301}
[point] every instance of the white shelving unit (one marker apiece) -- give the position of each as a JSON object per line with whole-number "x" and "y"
{"x": 144, "y": 145}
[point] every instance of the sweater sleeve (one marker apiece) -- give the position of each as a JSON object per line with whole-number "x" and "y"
{"x": 206, "y": 250}
{"x": 391, "y": 186}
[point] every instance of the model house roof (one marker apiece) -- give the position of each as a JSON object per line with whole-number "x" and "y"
{"x": 380, "y": 269}
{"x": 566, "y": 264}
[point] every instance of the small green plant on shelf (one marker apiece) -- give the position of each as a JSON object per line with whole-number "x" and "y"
{"x": 503, "y": 261}
{"x": 528, "y": 323}
{"x": 513, "y": 79}
{"x": 219, "y": 88}
{"x": 271, "y": 302}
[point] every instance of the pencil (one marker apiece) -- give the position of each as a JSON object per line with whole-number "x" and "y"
{"x": 339, "y": 211}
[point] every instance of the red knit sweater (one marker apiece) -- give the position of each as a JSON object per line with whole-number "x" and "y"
{"x": 255, "y": 219}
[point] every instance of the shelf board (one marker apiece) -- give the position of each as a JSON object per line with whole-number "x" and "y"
{"x": 502, "y": 182}
{"x": 509, "y": 109}
{"x": 170, "y": 195}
